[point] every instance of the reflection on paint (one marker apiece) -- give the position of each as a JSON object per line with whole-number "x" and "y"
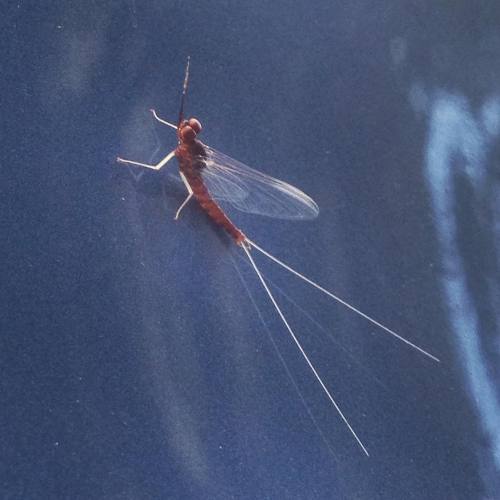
{"x": 459, "y": 145}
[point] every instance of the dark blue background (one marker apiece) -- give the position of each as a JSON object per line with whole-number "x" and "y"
{"x": 138, "y": 353}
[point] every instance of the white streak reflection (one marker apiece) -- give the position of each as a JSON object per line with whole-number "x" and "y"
{"x": 460, "y": 145}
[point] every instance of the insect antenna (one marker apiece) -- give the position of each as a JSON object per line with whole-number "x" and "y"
{"x": 184, "y": 91}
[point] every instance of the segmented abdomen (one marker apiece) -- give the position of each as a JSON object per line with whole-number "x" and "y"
{"x": 209, "y": 205}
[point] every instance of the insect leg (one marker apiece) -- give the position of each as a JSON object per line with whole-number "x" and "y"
{"x": 146, "y": 165}
{"x": 182, "y": 206}
{"x": 189, "y": 196}
{"x": 161, "y": 120}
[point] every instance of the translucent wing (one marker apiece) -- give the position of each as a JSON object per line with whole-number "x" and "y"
{"x": 254, "y": 192}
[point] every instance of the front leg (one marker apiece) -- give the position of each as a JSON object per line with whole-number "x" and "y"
{"x": 161, "y": 120}
{"x": 158, "y": 166}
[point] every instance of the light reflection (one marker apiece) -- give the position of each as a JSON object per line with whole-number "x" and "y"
{"x": 460, "y": 144}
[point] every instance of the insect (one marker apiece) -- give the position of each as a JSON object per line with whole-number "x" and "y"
{"x": 210, "y": 176}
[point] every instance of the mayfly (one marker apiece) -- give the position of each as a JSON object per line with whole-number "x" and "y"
{"x": 211, "y": 176}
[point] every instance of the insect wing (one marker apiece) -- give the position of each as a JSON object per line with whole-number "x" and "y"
{"x": 253, "y": 192}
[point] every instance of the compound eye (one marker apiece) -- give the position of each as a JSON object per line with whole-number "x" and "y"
{"x": 195, "y": 125}
{"x": 187, "y": 134}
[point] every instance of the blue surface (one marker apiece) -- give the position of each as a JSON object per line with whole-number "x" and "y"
{"x": 139, "y": 354}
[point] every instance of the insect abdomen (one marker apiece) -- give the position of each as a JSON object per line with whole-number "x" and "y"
{"x": 212, "y": 209}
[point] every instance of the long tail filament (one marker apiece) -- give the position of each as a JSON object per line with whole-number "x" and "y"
{"x": 301, "y": 349}
{"x": 341, "y": 301}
